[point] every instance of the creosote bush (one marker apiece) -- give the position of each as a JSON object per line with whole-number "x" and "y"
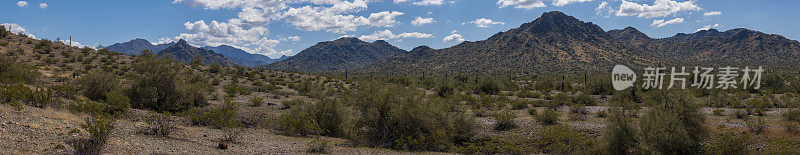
{"x": 548, "y": 117}
{"x": 161, "y": 86}
{"x": 505, "y": 120}
{"x": 12, "y": 71}
{"x": 97, "y": 83}
{"x": 674, "y": 125}
{"x": 620, "y": 136}
{"x": 100, "y": 128}
{"x": 160, "y": 124}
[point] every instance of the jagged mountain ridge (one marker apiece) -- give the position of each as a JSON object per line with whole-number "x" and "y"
{"x": 556, "y": 42}
{"x": 241, "y": 57}
{"x": 185, "y": 53}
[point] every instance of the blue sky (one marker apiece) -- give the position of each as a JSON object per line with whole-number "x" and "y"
{"x": 286, "y": 27}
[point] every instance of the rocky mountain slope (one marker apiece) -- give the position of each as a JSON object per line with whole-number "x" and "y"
{"x": 340, "y": 54}
{"x": 185, "y": 53}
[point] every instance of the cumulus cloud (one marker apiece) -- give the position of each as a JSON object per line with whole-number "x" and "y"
{"x": 429, "y": 2}
{"x": 43, "y": 5}
{"x": 22, "y": 4}
{"x": 661, "y": 22}
{"x": 74, "y": 43}
{"x": 707, "y": 27}
{"x": 483, "y": 22}
{"x": 660, "y": 8}
{"x": 521, "y": 4}
{"x": 387, "y": 35}
{"x": 421, "y": 21}
{"x": 454, "y": 38}
{"x": 291, "y": 38}
{"x": 16, "y": 29}
{"x": 712, "y": 13}
{"x": 400, "y": 1}
{"x": 565, "y": 2}
{"x": 248, "y": 29}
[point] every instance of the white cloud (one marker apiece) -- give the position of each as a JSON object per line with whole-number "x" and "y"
{"x": 712, "y": 13}
{"x": 74, "y": 43}
{"x": 707, "y": 27}
{"x": 483, "y": 22}
{"x": 248, "y": 30}
{"x": 454, "y": 38}
{"x": 521, "y": 4}
{"x": 601, "y": 6}
{"x": 22, "y": 4}
{"x": 387, "y": 35}
{"x": 565, "y": 2}
{"x": 331, "y": 20}
{"x": 454, "y": 31}
{"x": 421, "y": 21}
{"x": 660, "y": 8}
{"x": 42, "y": 5}
{"x": 16, "y": 29}
{"x": 429, "y": 2}
{"x": 661, "y": 22}
{"x": 291, "y": 38}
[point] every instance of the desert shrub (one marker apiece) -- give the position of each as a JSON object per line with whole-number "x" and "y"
{"x": 445, "y": 90}
{"x": 756, "y": 125}
{"x": 601, "y": 114}
{"x": 116, "y": 103}
{"x": 532, "y": 112}
{"x": 519, "y": 104}
{"x": 560, "y": 99}
{"x": 505, "y": 120}
{"x": 12, "y": 71}
{"x": 3, "y": 32}
{"x": 317, "y": 146}
{"x": 674, "y": 125}
{"x": 44, "y": 46}
{"x": 488, "y": 86}
{"x": 291, "y": 103}
{"x": 217, "y": 117}
{"x": 402, "y": 118}
{"x": 17, "y": 94}
{"x": 65, "y": 91}
{"x": 600, "y": 85}
{"x": 100, "y": 129}
{"x": 584, "y": 99}
{"x": 620, "y": 136}
{"x": 160, "y": 86}
{"x": 548, "y": 117}
{"x": 559, "y": 139}
{"x": 728, "y": 141}
{"x": 160, "y": 124}
{"x": 499, "y": 145}
{"x": 528, "y": 94}
{"x": 740, "y": 114}
{"x": 298, "y": 122}
{"x": 257, "y": 101}
{"x": 718, "y": 112}
{"x": 792, "y": 115}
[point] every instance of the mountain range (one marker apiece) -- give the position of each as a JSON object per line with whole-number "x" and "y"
{"x": 238, "y": 56}
{"x": 556, "y": 42}
{"x": 341, "y": 54}
{"x": 241, "y": 57}
{"x": 186, "y": 53}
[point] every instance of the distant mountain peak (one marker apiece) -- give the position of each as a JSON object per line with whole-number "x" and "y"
{"x": 628, "y": 34}
{"x": 558, "y": 22}
{"x": 348, "y": 40}
{"x": 185, "y": 53}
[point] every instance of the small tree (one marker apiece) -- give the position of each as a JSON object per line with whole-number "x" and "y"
{"x": 97, "y": 84}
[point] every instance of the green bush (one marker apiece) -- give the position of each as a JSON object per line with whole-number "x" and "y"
{"x": 298, "y": 122}
{"x": 317, "y": 146}
{"x": 620, "y": 136}
{"x": 584, "y": 99}
{"x": 160, "y": 124}
{"x": 548, "y": 117}
{"x": 217, "y": 117}
{"x": 96, "y": 84}
{"x": 161, "y": 86}
{"x": 12, "y": 71}
{"x": 528, "y": 94}
{"x": 402, "y": 118}
{"x": 505, "y": 120}
{"x": 792, "y": 115}
{"x": 532, "y": 112}
{"x": 674, "y": 125}
{"x": 559, "y": 139}
{"x": 499, "y": 145}
{"x": 100, "y": 129}
{"x": 729, "y": 142}
{"x": 257, "y": 100}
{"x": 718, "y": 112}
{"x": 445, "y": 91}
{"x": 519, "y": 104}
{"x": 488, "y": 86}
{"x": 757, "y": 125}
{"x": 116, "y": 103}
